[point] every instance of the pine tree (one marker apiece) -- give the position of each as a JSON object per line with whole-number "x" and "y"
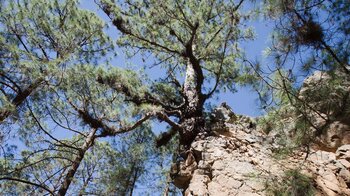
{"x": 38, "y": 41}
{"x": 58, "y": 99}
{"x": 196, "y": 42}
{"x": 61, "y": 104}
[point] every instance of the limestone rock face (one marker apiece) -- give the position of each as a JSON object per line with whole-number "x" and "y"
{"x": 326, "y": 93}
{"x": 328, "y": 101}
{"x": 223, "y": 113}
{"x": 239, "y": 160}
{"x": 336, "y": 134}
{"x": 343, "y": 152}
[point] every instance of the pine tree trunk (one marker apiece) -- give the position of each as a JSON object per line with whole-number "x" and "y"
{"x": 71, "y": 172}
{"x": 193, "y": 120}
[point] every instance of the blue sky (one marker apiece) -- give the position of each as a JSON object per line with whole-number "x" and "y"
{"x": 242, "y": 102}
{"x": 245, "y": 100}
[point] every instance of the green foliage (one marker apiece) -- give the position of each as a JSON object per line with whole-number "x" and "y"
{"x": 293, "y": 183}
{"x": 289, "y": 128}
{"x": 304, "y": 40}
{"x": 329, "y": 94}
{"x": 130, "y": 167}
{"x": 322, "y": 40}
{"x": 107, "y": 168}
{"x": 39, "y": 40}
{"x": 166, "y": 28}
{"x": 53, "y": 29}
{"x": 50, "y": 51}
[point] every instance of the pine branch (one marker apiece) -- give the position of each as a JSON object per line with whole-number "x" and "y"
{"x": 28, "y": 182}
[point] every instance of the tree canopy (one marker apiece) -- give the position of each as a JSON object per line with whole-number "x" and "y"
{"x": 75, "y": 122}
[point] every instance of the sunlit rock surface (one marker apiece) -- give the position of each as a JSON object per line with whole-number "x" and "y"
{"x": 239, "y": 160}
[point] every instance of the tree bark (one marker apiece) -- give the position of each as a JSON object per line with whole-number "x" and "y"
{"x": 71, "y": 172}
{"x": 193, "y": 120}
{"x": 20, "y": 98}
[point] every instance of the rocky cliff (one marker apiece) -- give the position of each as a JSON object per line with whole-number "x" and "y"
{"x": 239, "y": 158}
